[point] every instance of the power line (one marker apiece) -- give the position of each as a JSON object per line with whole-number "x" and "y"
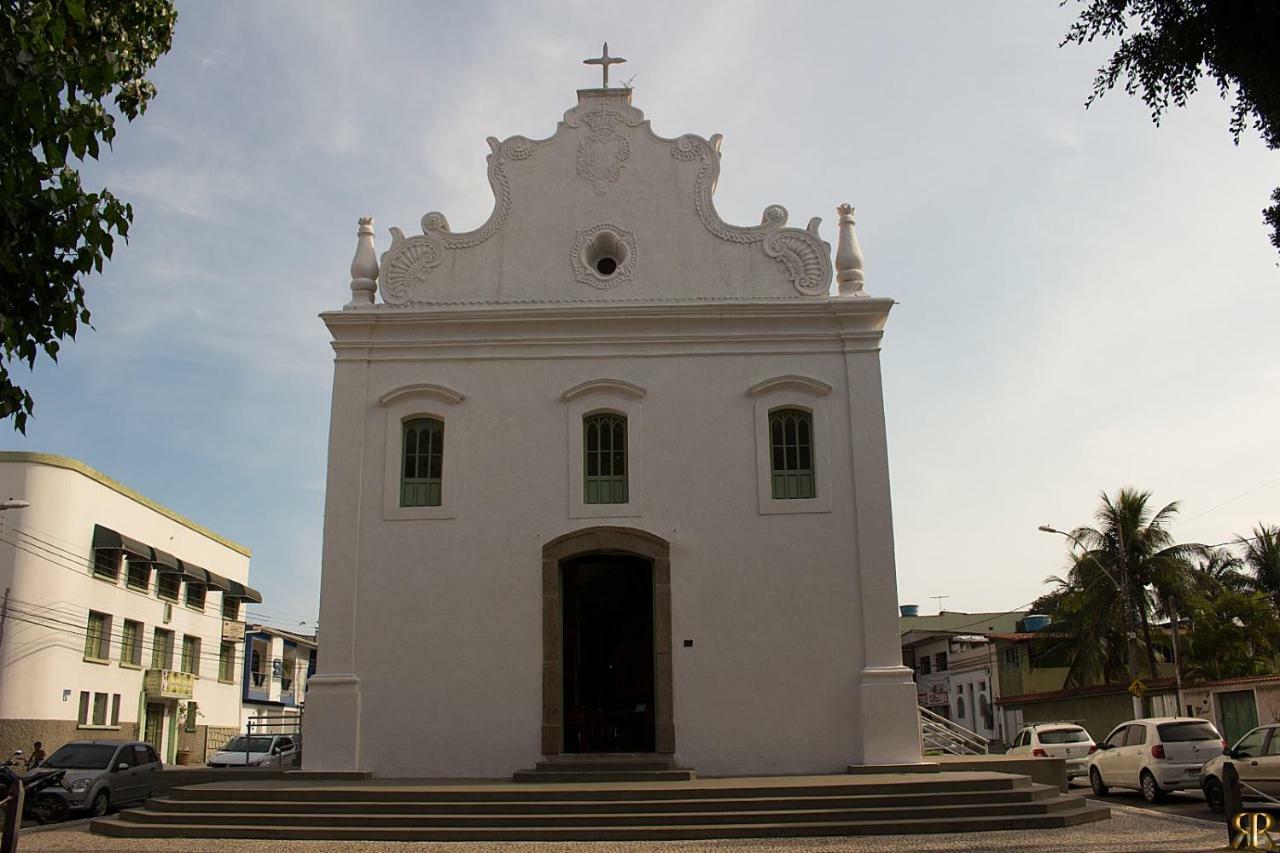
{"x": 1229, "y": 500}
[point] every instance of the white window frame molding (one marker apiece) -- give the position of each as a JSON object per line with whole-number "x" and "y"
{"x": 595, "y": 397}
{"x": 408, "y": 403}
{"x": 792, "y": 392}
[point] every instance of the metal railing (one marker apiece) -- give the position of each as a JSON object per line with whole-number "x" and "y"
{"x": 939, "y": 734}
{"x": 283, "y": 724}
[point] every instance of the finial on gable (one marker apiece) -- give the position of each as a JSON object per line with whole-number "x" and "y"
{"x": 364, "y": 266}
{"x": 848, "y": 256}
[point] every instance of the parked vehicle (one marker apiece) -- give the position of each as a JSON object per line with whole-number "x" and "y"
{"x": 105, "y": 773}
{"x": 1056, "y": 740}
{"x": 1154, "y": 756}
{"x": 1256, "y": 756}
{"x": 257, "y": 751}
{"x": 44, "y": 800}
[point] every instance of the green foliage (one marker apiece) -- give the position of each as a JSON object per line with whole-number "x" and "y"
{"x": 61, "y": 61}
{"x": 1261, "y": 557}
{"x": 1167, "y": 45}
{"x": 1233, "y": 630}
{"x": 1227, "y": 604}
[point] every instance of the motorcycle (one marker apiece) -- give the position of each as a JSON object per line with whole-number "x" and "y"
{"x": 43, "y": 797}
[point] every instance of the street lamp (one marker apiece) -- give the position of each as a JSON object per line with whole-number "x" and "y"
{"x": 13, "y": 503}
{"x": 1122, "y": 586}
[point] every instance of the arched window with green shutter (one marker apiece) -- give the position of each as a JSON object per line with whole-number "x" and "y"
{"x": 791, "y": 454}
{"x": 420, "y": 472}
{"x": 604, "y": 441}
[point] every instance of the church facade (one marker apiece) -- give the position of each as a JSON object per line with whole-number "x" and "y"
{"x": 608, "y": 474}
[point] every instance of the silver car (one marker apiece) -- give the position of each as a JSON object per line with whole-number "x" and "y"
{"x": 1257, "y": 760}
{"x": 105, "y": 773}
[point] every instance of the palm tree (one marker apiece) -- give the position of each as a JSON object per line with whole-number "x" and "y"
{"x": 1131, "y": 540}
{"x": 1262, "y": 559}
{"x": 1128, "y": 541}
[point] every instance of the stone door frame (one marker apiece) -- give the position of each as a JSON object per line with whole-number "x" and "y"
{"x": 605, "y": 540}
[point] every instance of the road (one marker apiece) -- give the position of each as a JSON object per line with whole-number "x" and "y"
{"x": 1181, "y": 803}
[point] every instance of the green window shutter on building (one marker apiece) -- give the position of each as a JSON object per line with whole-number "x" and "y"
{"x": 422, "y": 465}
{"x": 604, "y": 442}
{"x": 791, "y": 454}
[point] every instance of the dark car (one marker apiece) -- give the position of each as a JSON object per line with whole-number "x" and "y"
{"x": 105, "y": 773}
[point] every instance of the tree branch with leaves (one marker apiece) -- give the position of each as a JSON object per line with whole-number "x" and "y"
{"x": 1167, "y": 46}
{"x": 63, "y": 65}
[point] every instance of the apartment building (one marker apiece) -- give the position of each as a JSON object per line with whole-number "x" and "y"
{"x": 277, "y": 664}
{"x": 120, "y": 618}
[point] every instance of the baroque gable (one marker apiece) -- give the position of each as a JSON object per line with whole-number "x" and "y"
{"x": 604, "y": 210}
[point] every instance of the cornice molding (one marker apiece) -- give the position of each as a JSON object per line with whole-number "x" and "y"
{"x": 619, "y": 386}
{"x": 422, "y": 389}
{"x": 790, "y": 382}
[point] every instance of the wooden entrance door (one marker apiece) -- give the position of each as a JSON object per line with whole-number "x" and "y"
{"x": 608, "y": 654}
{"x": 153, "y": 727}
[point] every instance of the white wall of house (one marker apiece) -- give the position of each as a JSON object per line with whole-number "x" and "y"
{"x": 46, "y": 565}
{"x": 973, "y": 687}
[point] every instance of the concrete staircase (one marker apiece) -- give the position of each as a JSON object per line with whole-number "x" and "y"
{"x": 759, "y": 807}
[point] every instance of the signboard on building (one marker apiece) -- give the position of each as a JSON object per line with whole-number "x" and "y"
{"x": 232, "y": 630}
{"x": 168, "y": 684}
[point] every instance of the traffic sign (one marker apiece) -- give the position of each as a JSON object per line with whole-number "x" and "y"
{"x": 1137, "y": 688}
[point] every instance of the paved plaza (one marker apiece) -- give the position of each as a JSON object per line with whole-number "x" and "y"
{"x": 1129, "y": 829}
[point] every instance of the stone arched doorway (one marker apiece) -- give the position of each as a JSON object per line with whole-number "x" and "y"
{"x": 604, "y": 542}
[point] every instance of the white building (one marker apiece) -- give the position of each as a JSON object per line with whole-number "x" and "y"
{"x": 608, "y": 474}
{"x": 277, "y": 664}
{"x": 120, "y": 617}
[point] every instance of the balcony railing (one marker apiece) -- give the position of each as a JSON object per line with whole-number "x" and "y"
{"x": 167, "y": 684}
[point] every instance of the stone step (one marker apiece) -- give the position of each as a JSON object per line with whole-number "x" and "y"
{"x": 905, "y": 802}
{"x": 924, "y": 783}
{"x": 609, "y": 761}
{"x": 571, "y": 776}
{"x": 574, "y": 819}
{"x": 897, "y": 824}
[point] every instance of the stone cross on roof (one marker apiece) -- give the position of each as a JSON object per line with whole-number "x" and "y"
{"x": 604, "y": 61}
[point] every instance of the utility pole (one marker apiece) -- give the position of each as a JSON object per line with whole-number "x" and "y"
{"x": 1177, "y": 669}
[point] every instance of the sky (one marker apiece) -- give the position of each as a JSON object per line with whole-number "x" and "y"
{"x": 1086, "y": 300}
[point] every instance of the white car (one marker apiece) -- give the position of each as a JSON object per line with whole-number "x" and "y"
{"x": 257, "y": 751}
{"x": 1056, "y": 740}
{"x": 1154, "y": 756}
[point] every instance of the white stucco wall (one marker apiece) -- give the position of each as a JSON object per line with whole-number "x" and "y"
{"x": 46, "y": 564}
{"x": 432, "y": 656}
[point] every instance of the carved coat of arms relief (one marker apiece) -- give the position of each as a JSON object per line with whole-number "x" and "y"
{"x": 604, "y": 151}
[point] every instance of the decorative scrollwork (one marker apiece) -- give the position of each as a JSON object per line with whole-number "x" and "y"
{"x": 802, "y": 254}
{"x": 407, "y": 263}
{"x": 805, "y": 259}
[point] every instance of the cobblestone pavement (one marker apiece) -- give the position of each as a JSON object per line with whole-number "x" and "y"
{"x": 1128, "y": 830}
